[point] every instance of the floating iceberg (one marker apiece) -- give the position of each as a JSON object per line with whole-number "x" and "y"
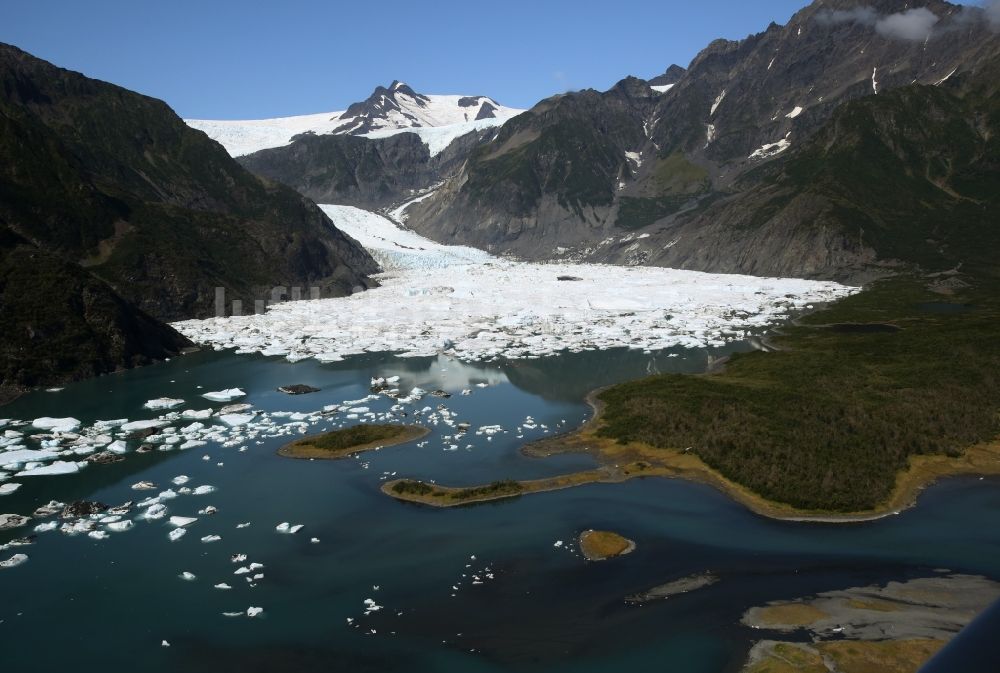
{"x": 227, "y": 395}
{"x": 26, "y": 456}
{"x": 181, "y": 521}
{"x": 58, "y": 467}
{"x": 144, "y": 425}
{"x": 56, "y": 424}
{"x": 163, "y": 403}
{"x": 14, "y": 561}
{"x": 235, "y": 420}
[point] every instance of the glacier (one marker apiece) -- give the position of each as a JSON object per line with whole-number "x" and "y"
{"x": 463, "y": 302}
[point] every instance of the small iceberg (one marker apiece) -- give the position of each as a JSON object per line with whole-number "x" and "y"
{"x": 236, "y": 420}
{"x": 227, "y": 395}
{"x": 133, "y": 426}
{"x": 163, "y": 403}
{"x": 155, "y": 511}
{"x": 182, "y": 521}
{"x": 56, "y": 424}
{"x": 58, "y": 467}
{"x": 14, "y": 561}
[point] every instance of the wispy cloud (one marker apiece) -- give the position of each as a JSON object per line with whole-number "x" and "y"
{"x": 992, "y": 8}
{"x": 913, "y": 24}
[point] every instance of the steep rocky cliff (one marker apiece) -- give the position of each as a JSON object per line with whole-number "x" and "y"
{"x": 122, "y": 216}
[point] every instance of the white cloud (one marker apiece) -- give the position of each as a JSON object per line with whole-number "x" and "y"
{"x": 913, "y": 24}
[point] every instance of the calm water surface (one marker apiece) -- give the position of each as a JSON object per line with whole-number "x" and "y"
{"x": 85, "y": 605}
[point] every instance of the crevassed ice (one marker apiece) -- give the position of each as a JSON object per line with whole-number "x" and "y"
{"x": 463, "y": 302}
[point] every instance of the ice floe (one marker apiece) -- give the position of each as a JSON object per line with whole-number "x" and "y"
{"x": 182, "y": 521}
{"x": 58, "y": 467}
{"x": 56, "y": 424}
{"x": 227, "y": 395}
{"x": 14, "y": 561}
{"x": 163, "y": 403}
{"x": 134, "y": 426}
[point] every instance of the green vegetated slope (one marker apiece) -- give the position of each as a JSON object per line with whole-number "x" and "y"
{"x": 911, "y": 365}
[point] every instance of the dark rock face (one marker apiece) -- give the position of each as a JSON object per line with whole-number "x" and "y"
{"x": 297, "y": 389}
{"x": 364, "y": 172}
{"x": 62, "y": 323}
{"x": 672, "y": 75}
{"x": 691, "y": 178}
{"x": 81, "y": 508}
{"x": 116, "y": 182}
{"x": 114, "y": 215}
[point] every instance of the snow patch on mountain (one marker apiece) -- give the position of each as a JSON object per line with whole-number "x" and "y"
{"x": 437, "y": 138}
{"x": 438, "y": 120}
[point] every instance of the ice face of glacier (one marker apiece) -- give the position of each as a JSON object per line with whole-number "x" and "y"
{"x": 465, "y": 302}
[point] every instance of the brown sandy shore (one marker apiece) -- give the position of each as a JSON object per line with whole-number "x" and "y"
{"x": 620, "y": 462}
{"x": 303, "y": 448}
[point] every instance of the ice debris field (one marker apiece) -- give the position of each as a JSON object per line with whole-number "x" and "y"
{"x": 228, "y": 429}
{"x": 464, "y": 302}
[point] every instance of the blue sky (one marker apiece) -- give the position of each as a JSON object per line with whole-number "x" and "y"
{"x": 223, "y": 59}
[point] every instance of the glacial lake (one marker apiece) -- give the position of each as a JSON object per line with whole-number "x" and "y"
{"x": 480, "y": 588}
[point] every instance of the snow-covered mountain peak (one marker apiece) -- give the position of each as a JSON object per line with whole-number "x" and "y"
{"x": 393, "y": 109}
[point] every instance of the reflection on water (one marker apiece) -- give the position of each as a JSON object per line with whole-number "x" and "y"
{"x": 91, "y": 605}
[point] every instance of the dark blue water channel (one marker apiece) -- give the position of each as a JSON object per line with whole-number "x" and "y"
{"x": 105, "y": 605}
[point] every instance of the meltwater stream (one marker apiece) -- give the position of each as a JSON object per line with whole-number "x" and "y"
{"x": 481, "y": 588}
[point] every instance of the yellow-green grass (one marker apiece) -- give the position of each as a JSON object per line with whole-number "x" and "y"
{"x": 789, "y": 614}
{"x": 346, "y": 442}
{"x": 599, "y": 545}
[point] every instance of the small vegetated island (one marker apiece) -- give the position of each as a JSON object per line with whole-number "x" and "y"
{"x": 601, "y": 545}
{"x": 345, "y": 442}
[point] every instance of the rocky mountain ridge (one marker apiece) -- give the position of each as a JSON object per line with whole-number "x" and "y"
{"x": 115, "y": 215}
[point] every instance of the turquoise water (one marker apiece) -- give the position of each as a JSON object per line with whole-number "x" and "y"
{"x": 90, "y": 605}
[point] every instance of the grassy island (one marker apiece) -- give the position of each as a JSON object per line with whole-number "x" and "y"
{"x": 346, "y": 442}
{"x": 600, "y": 545}
{"x": 452, "y": 496}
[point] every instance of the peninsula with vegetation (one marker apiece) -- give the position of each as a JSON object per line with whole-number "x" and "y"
{"x": 852, "y": 412}
{"x": 346, "y": 442}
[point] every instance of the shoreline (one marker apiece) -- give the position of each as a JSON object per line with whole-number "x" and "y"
{"x": 622, "y": 462}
